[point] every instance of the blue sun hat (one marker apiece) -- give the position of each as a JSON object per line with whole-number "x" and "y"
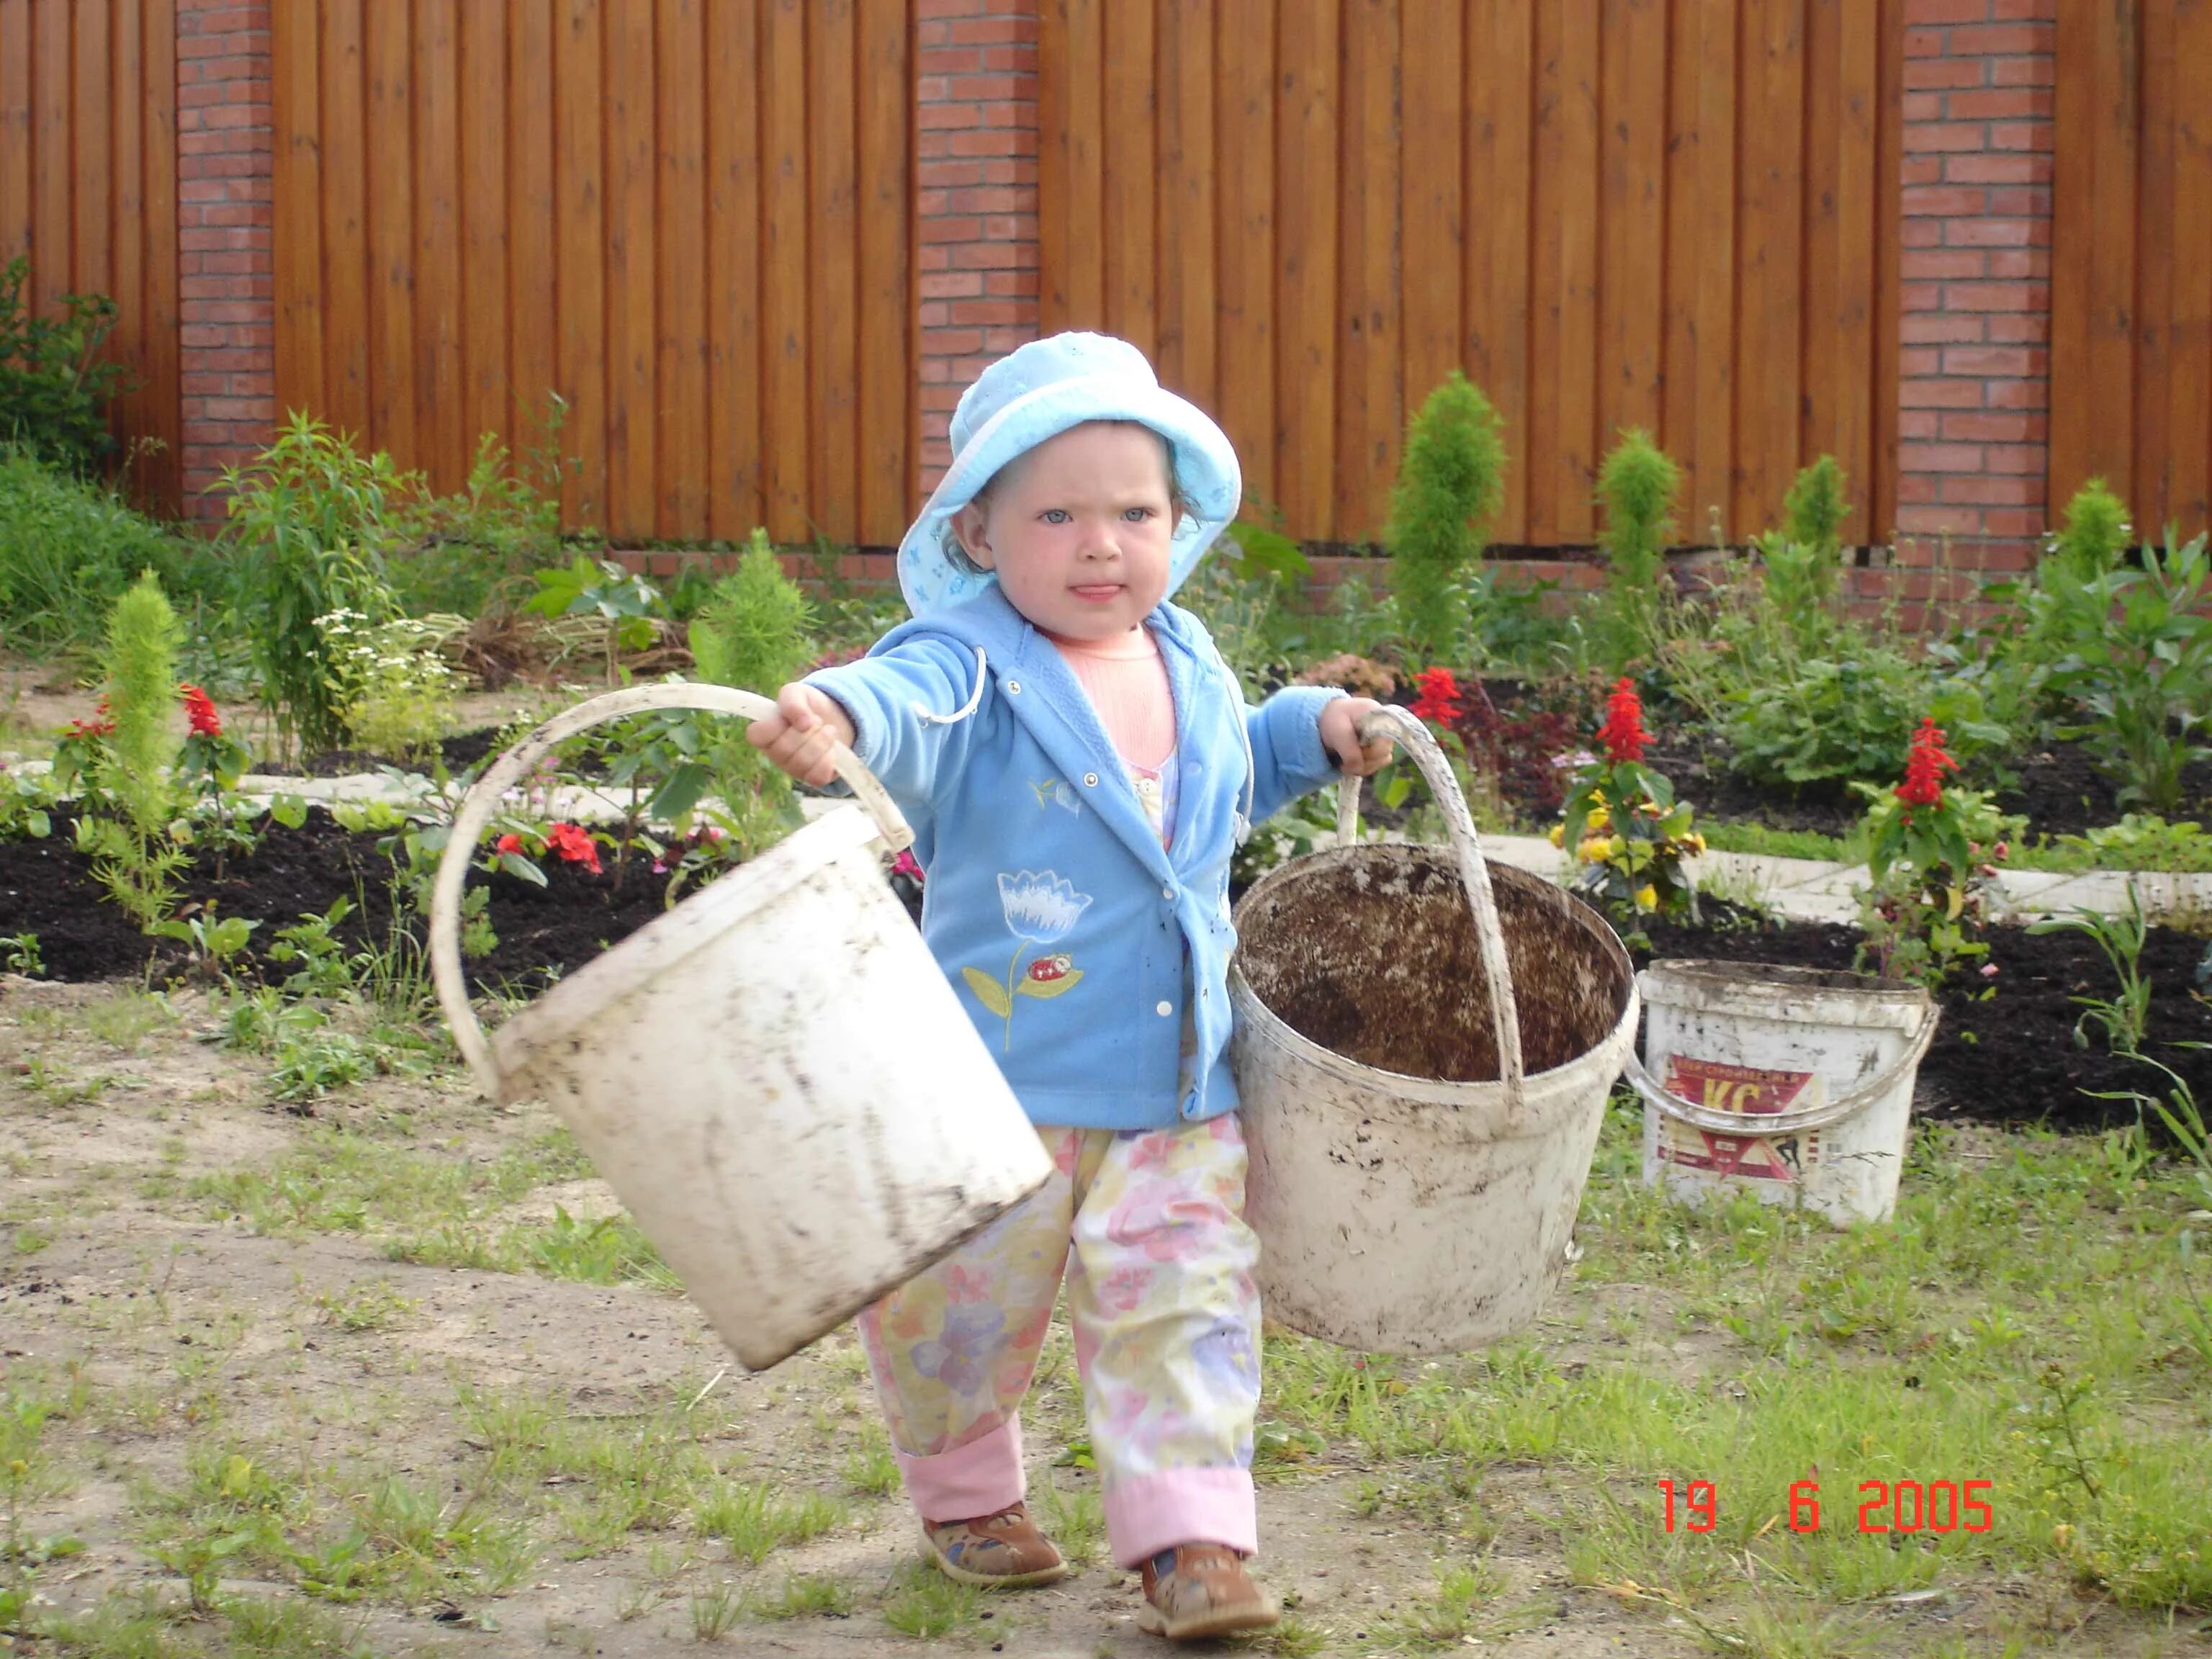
{"x": 1039, "y": 391}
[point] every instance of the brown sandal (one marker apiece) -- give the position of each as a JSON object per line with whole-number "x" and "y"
{"x": 1196, "y": 1590}
{"x": 1004, "y": 1551}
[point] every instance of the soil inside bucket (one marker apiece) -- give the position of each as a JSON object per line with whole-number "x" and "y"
{"x": 1371, "y": 951}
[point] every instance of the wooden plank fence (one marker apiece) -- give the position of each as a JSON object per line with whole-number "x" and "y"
{"x": 2131, "y": 269}
{"x": 688, "y": 217}
{"x": 89, "y": 188}
{"x": 1674, "y": 214}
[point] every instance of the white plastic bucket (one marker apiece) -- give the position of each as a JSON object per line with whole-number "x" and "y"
{"x": 1407, "y": 1213}
{"x": 775, "y": 1076}
{"x": 1791, "y": 1084}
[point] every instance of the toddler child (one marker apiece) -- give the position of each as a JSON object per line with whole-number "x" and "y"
{"x": 1078, "y": 764}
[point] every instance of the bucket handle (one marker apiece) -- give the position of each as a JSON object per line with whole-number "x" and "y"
{"x": 1781, "y": 1123}
{"x": 483, "y": 800}
{"x": 1389, "y": 721}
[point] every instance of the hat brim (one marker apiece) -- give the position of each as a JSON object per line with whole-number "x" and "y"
{"x": 1206, "y": 468}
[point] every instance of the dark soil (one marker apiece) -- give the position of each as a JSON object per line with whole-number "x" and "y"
{"x": 461, "y": 753}
{"x": 47, "y": 888}
{"x": 2058, "y": 789}
{"x": 2012, "y": 1058}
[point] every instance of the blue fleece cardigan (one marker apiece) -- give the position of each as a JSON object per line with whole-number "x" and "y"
{"x": 1049, "y": 901}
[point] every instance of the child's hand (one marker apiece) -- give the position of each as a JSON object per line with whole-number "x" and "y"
{"x": 1340, "y": 735}
{"x": 798, "y": 736}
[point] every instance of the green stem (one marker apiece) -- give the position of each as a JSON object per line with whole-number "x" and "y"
{"x": 1007, "y": 1046}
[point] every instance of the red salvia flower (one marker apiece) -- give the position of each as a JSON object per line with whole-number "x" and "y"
{"x": 575, "y": 845}
{"x": 1439, "y": 699}
{"x": 1623, "y": 736}
{"x": 1925, "y": 767}
{"x": 905, "y": 865}
{"x": 508, "y": 843}
{"x": 200, "y": 710}
{"x": 101, "y": 725}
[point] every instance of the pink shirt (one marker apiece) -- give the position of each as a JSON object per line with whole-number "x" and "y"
{"x": 1126, "y": 681}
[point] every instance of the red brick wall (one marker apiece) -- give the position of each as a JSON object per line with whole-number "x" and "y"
{"x": 225, "y": 271}
{"x": 1974, "y": 373}
{"x": 976, "y": 208}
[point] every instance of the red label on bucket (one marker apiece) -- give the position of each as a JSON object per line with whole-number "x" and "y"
{"x": 1747, "y": 1091}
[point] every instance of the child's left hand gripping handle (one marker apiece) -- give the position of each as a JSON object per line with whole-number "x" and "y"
{"x": 483, "y": 799}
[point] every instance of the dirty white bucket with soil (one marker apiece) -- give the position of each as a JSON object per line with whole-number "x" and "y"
{"x": 1424, "y": 1047}
{"x": 775, "y": 1076}
{"x": 1794, "y": 1085}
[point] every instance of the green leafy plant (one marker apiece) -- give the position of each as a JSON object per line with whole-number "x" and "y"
{"x": 1450, "y": 482}
{"x": 2096, "y": 532}
{"x": 465, "y": 551}
{"x": 1240, "y": 590}
{"x": 2138, "y": 842}
{"x": 54, "y": 384}
{"x": 1825, "y": 720}
{"x": 27, "y": 803}
{"x": 2123, "y": 1018}
{"x": 324, "y": 968}
{"x": 625, "y": 604}
{"x": 1638, "y": 483}
{"x": 216, "y": 941}
{"x": 394, "y": 692}
{"x": 1932, "y": 852}
{"x": 20, "y": 954}
{"x": 69, "y": 548}
{"x": 2136, "y": 651}
{"x": 754, "y": 631}
{"x": 128, "y": 757}
{"x": 311, "y": 519}
{"x": 1632, "y": 839}
{"x": 1813, "y": 510}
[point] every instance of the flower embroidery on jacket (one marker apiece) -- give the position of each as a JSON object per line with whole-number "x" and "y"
{"x": 1040, "y": 907}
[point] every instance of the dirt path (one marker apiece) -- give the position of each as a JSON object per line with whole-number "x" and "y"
{"x": 529, "y": 1452}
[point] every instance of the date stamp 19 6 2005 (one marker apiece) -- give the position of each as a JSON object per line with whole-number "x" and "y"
{"x": 1884, "y": 1506}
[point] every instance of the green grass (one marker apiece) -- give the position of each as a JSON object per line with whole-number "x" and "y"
{"x": 1723, "y": 836}
{"x": 68, "y": 550}
{"x": 433, "y": 1208}
{"x": 2140, "y": 844}
{"x": 802, "y": 1597}
{"x": 2024, "y": 1320}
{"x": 924, "y": 1603}
{"x": 756, "y": 1518}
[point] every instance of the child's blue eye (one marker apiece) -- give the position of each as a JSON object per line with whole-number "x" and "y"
{"x": 1138, "y": 514}
{"x": 1054, "y": 515}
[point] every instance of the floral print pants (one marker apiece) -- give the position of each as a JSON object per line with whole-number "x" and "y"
{"x": 1148, "y": 1227}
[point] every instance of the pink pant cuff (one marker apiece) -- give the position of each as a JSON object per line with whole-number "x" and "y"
{"x": 981, "y": 1478}
{"x": 1150, "y": 1513}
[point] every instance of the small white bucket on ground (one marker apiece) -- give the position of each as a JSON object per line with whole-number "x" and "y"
{"x": 775, "y": 1076}
{"x": 1414, "y": 1188}
{"x": 1791, "y": 1084}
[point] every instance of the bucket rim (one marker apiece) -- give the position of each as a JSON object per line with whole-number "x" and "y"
{"x": 1789, "y": 991}
{"x": 626, "y": 966}
{"x": 1428, "y": 1091}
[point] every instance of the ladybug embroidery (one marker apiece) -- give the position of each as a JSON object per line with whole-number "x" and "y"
{"x": 1045, "y": 968}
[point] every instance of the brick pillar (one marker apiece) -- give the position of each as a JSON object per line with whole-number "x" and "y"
{"x": 975, "y": 178}
{"x": 226, "y": 264}
{"x": 1974, "y": 379}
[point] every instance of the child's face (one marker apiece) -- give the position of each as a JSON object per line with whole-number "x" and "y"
{"x": 1078, "y": 530}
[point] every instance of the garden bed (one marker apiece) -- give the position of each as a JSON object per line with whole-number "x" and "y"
{"x": 2058, "y": 787}
{"x": 47, "y": 888}
{"x": 2010, "y": 1058}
